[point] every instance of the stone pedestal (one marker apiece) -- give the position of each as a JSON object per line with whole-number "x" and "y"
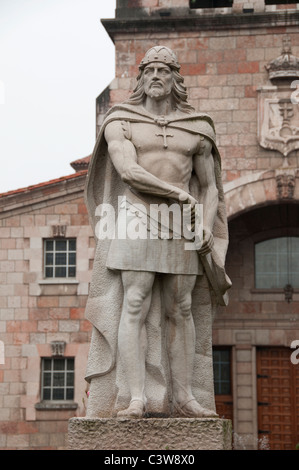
{"x": 149, "y": 434}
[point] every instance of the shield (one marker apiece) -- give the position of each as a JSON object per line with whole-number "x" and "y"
{"x": 278, "y": 120}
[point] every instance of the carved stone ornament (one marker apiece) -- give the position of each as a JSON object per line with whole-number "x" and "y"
{"x": 278, "y": 123}
{"x": 278, "y": 112}
{"x": 59, "y": 231}
{"x": 58, "y": 348}
{"x": 286, "y": 66}
{"x": 285, "y": 181}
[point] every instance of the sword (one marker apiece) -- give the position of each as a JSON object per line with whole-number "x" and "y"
{"x": 207, "y": 262}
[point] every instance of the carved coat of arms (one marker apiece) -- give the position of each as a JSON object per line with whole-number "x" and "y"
{"x": 278, "y": 113}
{"x": 278, "y": 120}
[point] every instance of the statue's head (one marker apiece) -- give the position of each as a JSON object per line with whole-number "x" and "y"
{"x": 162, "y": 55}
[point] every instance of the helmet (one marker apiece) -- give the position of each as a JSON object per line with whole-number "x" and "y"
{"x": 160, "y": 54}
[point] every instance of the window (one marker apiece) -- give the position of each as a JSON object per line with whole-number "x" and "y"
{"x": 57, "y": 378}
{"x": 222, "y": 375}
{"x": 277, "y": 263}
{"x": 280, "y": 2}
{"x": 223, "y": 382}
{"x": 210, "y": 3}
{"x": 60, "y": 258}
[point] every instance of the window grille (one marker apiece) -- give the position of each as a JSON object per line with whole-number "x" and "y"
{"x": 222, "y": 371}
{"x": 280, "y": 2}
{"x": 277, "y": 263}
{"x": 60, "y": 258}
{"x": 210, "y": 3}
{"x": 57, "y": 378}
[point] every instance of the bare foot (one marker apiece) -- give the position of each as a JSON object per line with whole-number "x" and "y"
{"x": 134, "y": 410}
{"x": 192, "y": 409}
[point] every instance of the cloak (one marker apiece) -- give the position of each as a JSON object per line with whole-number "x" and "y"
{"x": 108, "y": 389}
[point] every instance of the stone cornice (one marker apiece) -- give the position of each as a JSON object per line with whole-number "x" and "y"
{"x": 154, "y": 24}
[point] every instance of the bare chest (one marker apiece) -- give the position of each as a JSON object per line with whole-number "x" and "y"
{"x": 165, "y": 152}
{"x": 152, "y": 137}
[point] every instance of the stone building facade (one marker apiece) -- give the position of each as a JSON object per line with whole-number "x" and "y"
{"x": 240, "y": 64}
{"x": 42, "y": 318}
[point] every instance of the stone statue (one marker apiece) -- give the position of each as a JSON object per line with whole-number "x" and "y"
{"x": 151, "y": 300}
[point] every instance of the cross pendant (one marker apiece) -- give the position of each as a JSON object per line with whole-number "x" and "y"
{"x": 164, "y": 135}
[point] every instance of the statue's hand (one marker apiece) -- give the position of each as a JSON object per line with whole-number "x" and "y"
{"x": 186, "y": 198}
{"x": 205, "y": 246}
{"x": 189, "y": 207}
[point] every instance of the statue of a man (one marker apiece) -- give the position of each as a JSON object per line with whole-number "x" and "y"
{"x": 150, "y": 301}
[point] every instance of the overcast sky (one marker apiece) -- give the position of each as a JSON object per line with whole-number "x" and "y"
{"x": 55, "y": 59}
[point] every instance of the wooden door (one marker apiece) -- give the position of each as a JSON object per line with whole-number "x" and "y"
{"x": 278, "y": 398}
{"x": 224, "y": 406}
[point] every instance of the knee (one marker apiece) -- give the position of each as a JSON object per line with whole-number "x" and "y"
{"x": 185, "y": 306}
{"x": 134, "y": 301}
{"x": 180, "y": 308}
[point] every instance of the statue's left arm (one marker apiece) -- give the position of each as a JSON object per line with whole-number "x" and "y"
{"x": 203, "y": 165}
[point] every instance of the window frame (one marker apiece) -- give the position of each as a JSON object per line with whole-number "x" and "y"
{"x": 263, "y": 240}
{"x": 227, "y": 349}
{"x": 53, "y": 387}
{"x": 54, "y": 266}
{"x": 280, "y": 2}
{"x": 209, "y": 4}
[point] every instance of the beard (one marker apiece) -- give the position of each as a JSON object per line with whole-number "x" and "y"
{"x": 157, "y": 92}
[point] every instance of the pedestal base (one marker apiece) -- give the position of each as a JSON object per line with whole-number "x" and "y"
{"x": 149, "y": 434}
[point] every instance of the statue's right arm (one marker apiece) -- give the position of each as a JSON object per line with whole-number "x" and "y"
{"x": 124, "y": 158}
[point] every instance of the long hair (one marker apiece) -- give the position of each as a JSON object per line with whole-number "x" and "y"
{"x": 179, "y": 92}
